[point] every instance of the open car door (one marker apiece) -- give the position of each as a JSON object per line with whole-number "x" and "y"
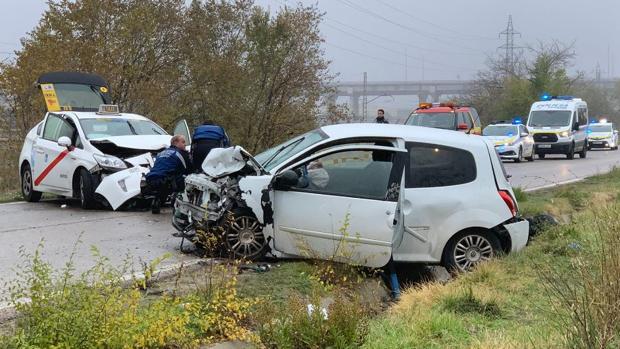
{"x": 343, "y": 206}
{"x": 181, "y": 128}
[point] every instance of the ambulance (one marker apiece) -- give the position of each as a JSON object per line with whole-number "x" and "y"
{"x": 559, "y": 125}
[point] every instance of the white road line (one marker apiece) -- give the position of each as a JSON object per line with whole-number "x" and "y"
{"x": 554, "y": 184}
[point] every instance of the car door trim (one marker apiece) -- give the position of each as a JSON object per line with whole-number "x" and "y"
{"x": 330, "y": 236}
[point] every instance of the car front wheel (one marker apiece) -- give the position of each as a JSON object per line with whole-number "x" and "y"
{"x": 244, "y": 237}
{"x": 86, "y": 190}
{"x": 464, "y": 251}
{"x": 28, "y": 191}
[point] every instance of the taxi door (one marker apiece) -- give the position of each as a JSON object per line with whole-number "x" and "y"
{"x": 52, "y": 168}
{"x": 181, "y": 128}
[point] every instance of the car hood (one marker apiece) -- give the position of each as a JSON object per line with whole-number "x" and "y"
{"x": 501, "y": 139}
{"x": 130, "y": 146}
{"x": 225, "y": 161}
{"x": 600, "y": 135}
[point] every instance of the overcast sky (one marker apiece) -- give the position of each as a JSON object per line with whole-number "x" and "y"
{"x": 442, "y": 39}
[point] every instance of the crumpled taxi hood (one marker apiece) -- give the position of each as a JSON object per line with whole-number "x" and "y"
{"x": 143, "y": 142}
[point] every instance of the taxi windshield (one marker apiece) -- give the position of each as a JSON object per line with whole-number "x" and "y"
{"x": 112, "y": 127}
{"x": 600, "y": 128}
{"x": 500, "y": 130}
{"x": 436, "y": 120}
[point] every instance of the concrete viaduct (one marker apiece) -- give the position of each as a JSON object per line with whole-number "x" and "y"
{"x": 426, "y": 91}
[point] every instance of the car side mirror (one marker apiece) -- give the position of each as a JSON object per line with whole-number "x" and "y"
{"x": 576, "y": 126}
{"x": 286, "y": 180}
{"x": 524, "y": 134}
{"x": 615, "y": 131}
{"x": 64, "y": 142}
{"x": 463, "y": 127}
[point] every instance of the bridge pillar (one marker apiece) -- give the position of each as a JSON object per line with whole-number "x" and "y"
{"x": 354, "y": 101}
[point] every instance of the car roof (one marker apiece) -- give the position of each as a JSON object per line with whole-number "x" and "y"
{"x": 435, "y": 110}
{"x": 94, "y": 115}
{"x": 406, "y": 132}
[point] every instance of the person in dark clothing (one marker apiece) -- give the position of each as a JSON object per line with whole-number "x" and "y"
{"x": 206, "y": 137}
{"x": 381, "y": 117}
{"x": 167, "y": 174}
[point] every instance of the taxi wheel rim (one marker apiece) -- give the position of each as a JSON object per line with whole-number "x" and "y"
{"x": 27, "y": 182}
{"x": 245, "y": 237}
{"x": 471, "y": 250}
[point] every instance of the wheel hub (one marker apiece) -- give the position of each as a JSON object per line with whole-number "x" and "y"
{"x": 246, "y": 236}
{"x": 473, "y": 254}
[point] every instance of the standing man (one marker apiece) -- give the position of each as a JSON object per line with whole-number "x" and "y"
{"x": 381, "y": 117}
{"x": 168, "y": 173}
{"x": 206, "y": 137}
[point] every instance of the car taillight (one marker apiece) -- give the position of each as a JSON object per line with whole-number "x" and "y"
{"x": 512, "y": 205}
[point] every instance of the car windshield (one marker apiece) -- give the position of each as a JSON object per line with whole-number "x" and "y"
{"x": 503, "y": 130}
{"x": 549, "y": 118}
{"x": 111, "y": 127}
{"x": 600, "y": 128}
{"x": 78, "y": 96}
{"x": 273, "y": 157}
{"x": 436, "y": 120}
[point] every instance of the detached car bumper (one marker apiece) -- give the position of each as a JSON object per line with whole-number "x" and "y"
{"x": 519, "y": 234}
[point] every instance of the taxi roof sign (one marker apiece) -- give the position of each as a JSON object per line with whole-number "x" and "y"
{"x": 109, "y": 109}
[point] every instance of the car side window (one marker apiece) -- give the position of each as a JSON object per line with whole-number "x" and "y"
{"x": 583, "y": 116}
{"x": 56, "y": 127}
{"x": 355, "y": 173}
{"x": 432, "y": 165}
{"x": 523, "y": 129}
{"x": 468, "y": 119}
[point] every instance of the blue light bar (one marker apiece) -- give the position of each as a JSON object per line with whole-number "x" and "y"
{"x": 565, "y": 98}
{"x": 517, "y": 120}
{"x": 545, "y": 97}
{"x": 593, "y": 121}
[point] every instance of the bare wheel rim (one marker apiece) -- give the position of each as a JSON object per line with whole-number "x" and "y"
{"x": 471, "y": 250}
{"x": 27, "y": 182}
{"x": 245, "y": 237}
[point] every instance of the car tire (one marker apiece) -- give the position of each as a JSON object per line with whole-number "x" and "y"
{"x": 519, "y": 155}
{"x": 571, "y": 152}
{"x": 86, "y": 190}
{"x": 541, "y": 156}
{"x": 584, "y": 151}
{"x": 465, "y": 250}
{"x": 28, "y": 191}
{"x": 244, "y": 237}
{"x": 532, "y": 156}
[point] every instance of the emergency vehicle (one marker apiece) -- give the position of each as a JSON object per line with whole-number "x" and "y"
{"x": 559, "y": 125}
{"x": 602, "y": 134}
{"x": 446, "y": 116}
{"x": 512, "y": 140}
{"x": 84, "y": 147}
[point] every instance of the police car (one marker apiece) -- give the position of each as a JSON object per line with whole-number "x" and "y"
{"x": 602, "y": 134}
{"x": 84, "y": 147}
{"x": 512, "y": 140}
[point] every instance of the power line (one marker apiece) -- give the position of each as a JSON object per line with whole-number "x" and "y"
{"x": 377, "y": 15}
{"x": 392, "y": 50}
{"x": 419, "y": 19}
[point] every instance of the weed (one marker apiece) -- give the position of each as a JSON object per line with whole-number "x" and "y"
{"x": 467, "y": 302}
{"x": 520, "y": 195}
{"x": 576, "y": 198}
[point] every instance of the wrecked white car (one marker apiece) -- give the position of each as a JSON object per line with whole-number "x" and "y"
{"x": 84, "y": 147}
{"x": 362, "y": 193}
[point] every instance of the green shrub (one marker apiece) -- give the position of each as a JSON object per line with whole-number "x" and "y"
{"x": 467, "y": 302}
{"x": 343, "y": 325}
{"x": 520, "y": 195}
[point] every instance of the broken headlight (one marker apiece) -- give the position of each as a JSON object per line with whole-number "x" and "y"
{"x": 109, "y": 162}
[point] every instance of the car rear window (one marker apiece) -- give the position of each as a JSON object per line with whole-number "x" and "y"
{"x": 433, "y": 165}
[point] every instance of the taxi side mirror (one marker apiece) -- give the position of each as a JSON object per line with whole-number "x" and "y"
{"x": 64, "y": 142}
{"x": 463, "y": 127}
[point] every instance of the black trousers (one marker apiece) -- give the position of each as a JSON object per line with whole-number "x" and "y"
{"x": 200, "y": 150}
{"x": 161, "y": 188}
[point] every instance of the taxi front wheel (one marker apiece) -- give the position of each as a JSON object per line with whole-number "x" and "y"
{"x": 86, "y": 190}
{"x": 28, "y": 191}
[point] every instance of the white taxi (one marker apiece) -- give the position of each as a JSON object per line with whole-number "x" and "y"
{"x": 84, "y": 147}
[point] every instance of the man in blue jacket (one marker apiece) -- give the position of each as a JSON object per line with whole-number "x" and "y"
{"x": 206, "y": 137}
{"x": 167, "y": 174}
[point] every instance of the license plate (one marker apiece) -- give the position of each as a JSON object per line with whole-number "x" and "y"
{"x": 544, "y": 146}
{"x": 597, "y": 142}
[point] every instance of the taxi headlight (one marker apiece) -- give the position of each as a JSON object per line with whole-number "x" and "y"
{"x": 109, "y": 162}
{"x": 564, "y": 134}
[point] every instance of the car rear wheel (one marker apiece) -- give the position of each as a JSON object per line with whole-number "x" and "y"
{"x": 244, "y": 237}
{"x": 531, "y": 157}
{"x": 571, "y": 152}
{"x": 28, "y": 191}
{"x": 86, "y": 190}
{"x": 584, "y": 151}
{"x": 466, "y": 250}
{"x": 541, "y": 156}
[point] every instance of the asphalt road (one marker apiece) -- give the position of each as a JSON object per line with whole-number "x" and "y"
{"x": 142, "y": 236}
{"x": 556, "y": 169}
{"x": 119, "y": 236}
